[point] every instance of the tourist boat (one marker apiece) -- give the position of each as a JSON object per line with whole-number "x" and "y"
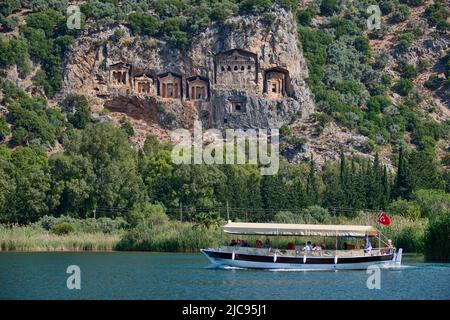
{"x": 294, "y": 257}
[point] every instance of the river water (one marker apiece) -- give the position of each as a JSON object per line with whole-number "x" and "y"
{"x": 141, "y": 275}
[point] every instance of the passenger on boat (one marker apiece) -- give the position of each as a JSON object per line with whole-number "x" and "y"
{"x": 316, "y": 247}
{"x": 238, "y": 244}
{"x": 267, "y": 245}
{"x": 307, "y": 247}
{"x": 244, "y": 243}
{"x": 390, "y": 247}
{"x": 259, "y": 244}
{"x": 389, "y": 244}
{"x": 233, "y": 243}
{"x": 367, "y": 246}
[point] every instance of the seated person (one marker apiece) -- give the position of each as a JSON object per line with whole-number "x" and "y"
{"x": 307, "y": 247}
{"x": 389, "y": 248}
{"x": 258, "y": 244}
{"x": 316, "y": 247}
{"x": 367, "y": 246}
{"x": 267, "y": 244}
{"x": 233, "y": 243}
{"x": 389, "y": 244}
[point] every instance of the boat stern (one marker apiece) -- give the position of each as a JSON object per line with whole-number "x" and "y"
{"x": 397, "y": 259}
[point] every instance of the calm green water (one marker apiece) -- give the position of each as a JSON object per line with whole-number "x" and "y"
{"x": 141, "y": 275}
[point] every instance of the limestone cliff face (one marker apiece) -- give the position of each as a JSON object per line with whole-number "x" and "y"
{"x": 274, "y": 94}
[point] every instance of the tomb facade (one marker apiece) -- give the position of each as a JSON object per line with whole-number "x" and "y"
{"x": 276, "y": 82}
{"x": 236, "y": 68}
{"x": 119, "y": 74}
{"x": 169, "y": 86}
{"x": 143, "y": 84}
{"x": 197, "y": 88}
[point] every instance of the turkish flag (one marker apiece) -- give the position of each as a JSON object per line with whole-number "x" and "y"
{"x": 384, "y": 219}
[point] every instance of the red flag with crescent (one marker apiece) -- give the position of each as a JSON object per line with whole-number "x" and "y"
{"x": 384, "y": 219}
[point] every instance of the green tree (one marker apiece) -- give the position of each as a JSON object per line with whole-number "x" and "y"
{"x": 32, "y": 198}
{"x": 117, "y": 185}
{"x": 78, "y": 110}
{"x": 126, "y": 126}
{"x": 4, "y": 129}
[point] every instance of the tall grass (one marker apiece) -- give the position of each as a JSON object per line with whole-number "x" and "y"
{"x": 437, "y": 237}
{"x": 404, "y": 232}
{"x": 173, "y": 236}
{"x": 31, "y": 238}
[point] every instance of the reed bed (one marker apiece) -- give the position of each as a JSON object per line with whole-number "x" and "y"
{"x": 175, "y": 236}
{"x": 29, "y": 238}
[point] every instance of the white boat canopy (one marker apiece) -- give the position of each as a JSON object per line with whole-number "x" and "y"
{"x": 282, "y": 229}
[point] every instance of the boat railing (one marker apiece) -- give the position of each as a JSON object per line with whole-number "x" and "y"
{"x": 317, "y": 253}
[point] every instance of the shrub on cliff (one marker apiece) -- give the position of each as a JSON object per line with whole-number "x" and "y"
{"x": 401, "y": 13}
{"x": 438, "y": 14}
{"x": 403, "y": 87}
{"x": 254, "y": 5}
{"x": 329, "y": 7}
{"x": 4, "y": 129}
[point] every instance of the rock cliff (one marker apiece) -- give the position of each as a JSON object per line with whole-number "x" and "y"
{"x": 271, "y": 39}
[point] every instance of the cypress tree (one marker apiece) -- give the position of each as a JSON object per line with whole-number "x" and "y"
{"x": 402, "y": 186}
{"x": 311, "y": 186}
{"x": 386, "y": 189}
{"x": 343, "y": 180}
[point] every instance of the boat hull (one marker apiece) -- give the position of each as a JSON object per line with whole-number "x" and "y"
{"x": 223, "y": 259}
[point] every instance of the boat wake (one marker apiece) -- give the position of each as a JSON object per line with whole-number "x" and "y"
{"x": 296, "y": 270}
{"x": 213, "y": 266}
{"x": 394, "y": 266}
{"x": 231, "y": 268}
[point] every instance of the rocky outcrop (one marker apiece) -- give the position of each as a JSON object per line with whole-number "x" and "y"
{"x": 272, "y": 38}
